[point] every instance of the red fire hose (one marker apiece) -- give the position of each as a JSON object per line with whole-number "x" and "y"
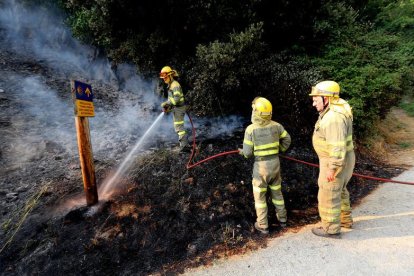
{"x": 190, "y": 166}
{"x": 354, "y": 174}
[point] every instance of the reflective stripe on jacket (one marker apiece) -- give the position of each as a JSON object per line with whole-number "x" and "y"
{"x": 332, "y": 137}
{"x": 265, "y": 140}
{"x": 175, "y": 94}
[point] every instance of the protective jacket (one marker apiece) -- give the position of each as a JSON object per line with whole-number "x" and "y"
{"x": 175, "y": 94}
{"x": 177, "y": 104}
{"x": 264, "y": 139}
{"x": 332, "y": 137}
{"x": 332, "y": 141}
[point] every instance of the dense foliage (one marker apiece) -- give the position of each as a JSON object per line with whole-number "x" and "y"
{"x": 373, "y": 62}
{"x": 229, "y": 52}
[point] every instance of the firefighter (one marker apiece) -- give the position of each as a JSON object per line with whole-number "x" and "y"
{"x": 264, "y": 139}
{"x": 332, "y": 141}
{"x": 175, "y": 104}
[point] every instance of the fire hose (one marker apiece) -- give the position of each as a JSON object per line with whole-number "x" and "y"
{"x": 354, "y": 174}
{"x": 190, "y": 166}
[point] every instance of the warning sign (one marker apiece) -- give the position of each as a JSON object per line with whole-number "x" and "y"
{"x": 83, "y": 99}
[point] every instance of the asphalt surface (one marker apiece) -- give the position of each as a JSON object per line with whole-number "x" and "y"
{"x": 380, "y": 243}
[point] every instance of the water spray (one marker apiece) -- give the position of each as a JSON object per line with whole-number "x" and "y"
{"x": 108, "y": 184}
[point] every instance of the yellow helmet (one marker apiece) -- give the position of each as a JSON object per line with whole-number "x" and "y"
{"x": 326, "y": 89}
{"x": 262, "y": 106}
{"x": 167, "y": 71}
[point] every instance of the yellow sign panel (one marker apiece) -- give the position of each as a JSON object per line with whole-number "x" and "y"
{"x": 84, "y": 108}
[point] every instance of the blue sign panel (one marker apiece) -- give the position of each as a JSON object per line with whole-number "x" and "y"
{"x": 83, "y": 91}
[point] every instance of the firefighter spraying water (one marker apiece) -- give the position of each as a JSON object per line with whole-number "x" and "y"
{"x": 175, "y": 104}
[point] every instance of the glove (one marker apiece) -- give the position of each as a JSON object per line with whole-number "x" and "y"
{"x": 166, "y": 107}
{"x": 241, "y": 152}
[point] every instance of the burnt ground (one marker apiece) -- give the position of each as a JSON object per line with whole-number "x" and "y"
{"x": 163, "y": 218}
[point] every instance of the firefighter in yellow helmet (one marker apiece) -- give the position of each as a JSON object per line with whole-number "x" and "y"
{"x": 175, "y": 104}
{"x": 264, "y": 139}
{"x": 332, "y": 141}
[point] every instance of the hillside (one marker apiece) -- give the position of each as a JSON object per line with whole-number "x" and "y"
{"x": 163, "y": 217}
{"x": 159, "y": 217}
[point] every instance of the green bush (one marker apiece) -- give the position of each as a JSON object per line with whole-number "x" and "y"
{"x": 271, "y": 49}
{"x": 373, "y": 67}
{"x": 225, "y": 73}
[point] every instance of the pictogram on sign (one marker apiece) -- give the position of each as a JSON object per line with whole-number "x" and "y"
{"x": 83, "y": 99}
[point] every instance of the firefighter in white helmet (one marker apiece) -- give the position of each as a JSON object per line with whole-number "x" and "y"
{"x": 175, "y": 104}
{"x": 332, "y": 141}
{"x": 264, "y": 139}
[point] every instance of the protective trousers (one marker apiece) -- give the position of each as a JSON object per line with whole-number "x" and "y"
{"x": 178, "y": 118}
{"x": 267, "y": 174}
{"x": 333, "y": 197}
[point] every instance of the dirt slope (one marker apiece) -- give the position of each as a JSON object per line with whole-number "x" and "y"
{"x": 399, "y": 136}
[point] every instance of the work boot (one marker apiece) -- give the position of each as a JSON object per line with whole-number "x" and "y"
{"x": 264, "y": 231}
{"x": 281, "y": 219}
{"x": 322, "y": 233}
{"x": 185, "y": 148}
{"x": 346, "y": 225}
{"x": 183, "y": 141}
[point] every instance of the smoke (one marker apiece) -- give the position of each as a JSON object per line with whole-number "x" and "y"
{"x": 38, "y": 119}
{"x": 219, "y": 127}
{"x": 125, "y": 103}
{"x": 44, "y": 117}
{"x": 40, "y": 35}
{"x": 39, "y": 32}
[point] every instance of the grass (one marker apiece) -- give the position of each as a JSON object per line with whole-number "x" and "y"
{"x": 408, "y": 107}
{"x": 404, "y": 145}
{"x": 13, "y": 225}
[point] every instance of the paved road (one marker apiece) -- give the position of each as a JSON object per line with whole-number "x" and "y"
{"x": 381, "y": 243}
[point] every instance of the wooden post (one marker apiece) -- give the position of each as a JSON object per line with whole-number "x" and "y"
{"x": 83, "y": 106}
{"x": 86, "y": 160}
